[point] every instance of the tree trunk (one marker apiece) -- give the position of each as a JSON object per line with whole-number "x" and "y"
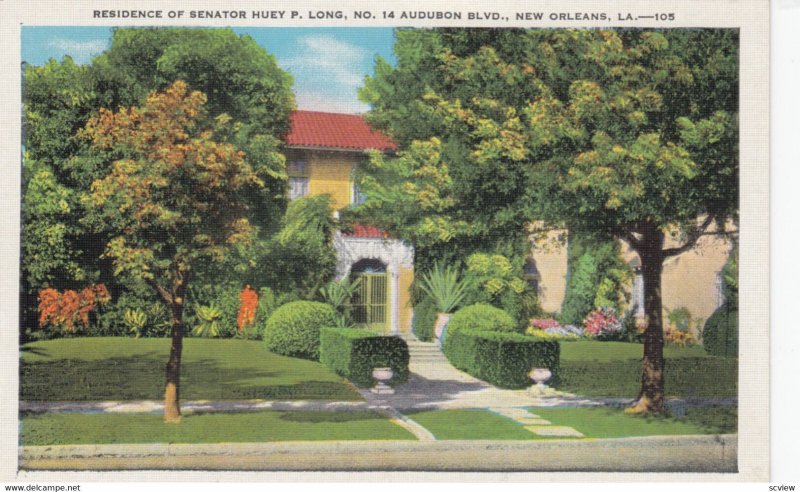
{"x": 651, "y": 394}
{"x": 172, "y": 410}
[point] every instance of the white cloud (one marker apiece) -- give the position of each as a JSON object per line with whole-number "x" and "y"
{"x": 80, "y": 51}
{"x": 327, "y": 60}
{"x": 329, "y": 102}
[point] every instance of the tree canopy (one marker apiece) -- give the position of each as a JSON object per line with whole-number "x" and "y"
{"x": 170, "y": 199}
{"x": 243, "y": 82}
{"x": 628, "y": 133}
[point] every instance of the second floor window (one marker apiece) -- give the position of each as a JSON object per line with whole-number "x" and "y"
{"x": 298, "y": 186}
{"x": 358, "y": 196}
{"x": 298, "y": 178}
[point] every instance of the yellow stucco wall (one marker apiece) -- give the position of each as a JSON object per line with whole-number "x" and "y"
{"x": 404, "y": 299}
{"x": 550, "y": 256}
{"x": 688, "y": 280}
{"x": 331, "y": 174}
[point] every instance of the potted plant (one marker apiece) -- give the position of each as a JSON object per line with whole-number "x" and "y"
{"x": 447, "y": 290}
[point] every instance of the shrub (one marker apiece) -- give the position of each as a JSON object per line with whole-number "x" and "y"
{"x": 602, "y": 323}
{"x": 247, "y": 309}
{"x": 112, "y": 321}
{"x": 544, "y": 323}
{"x": 338, "y": 295}
{"x": 721, "y": 332}
{"x": 293, "y": 329}
{"x": 354, "y": 353}
{"x": 482, "y": 317}
{"x": 62, "y": 311}
{"x": 445, "y": 286}
{"x": 425, "y": 318}
{"x": 503, "y": 359}
{"x": 226, "y": 300}
{"x": 597, "y": 276}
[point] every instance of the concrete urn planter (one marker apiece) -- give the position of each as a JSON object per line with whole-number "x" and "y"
{"x": 383, "y": 375}
{"x": 441, "y": 322}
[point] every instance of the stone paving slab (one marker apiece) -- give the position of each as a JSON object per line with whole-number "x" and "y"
{"x": 554, "y": 431}
{"x": 527, "y": 421}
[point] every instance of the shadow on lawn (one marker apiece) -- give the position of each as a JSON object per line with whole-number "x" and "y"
{"x": 142, "y": 378}
{"x": 330, "y": 417}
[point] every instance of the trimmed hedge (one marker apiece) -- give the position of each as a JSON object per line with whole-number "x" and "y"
{"x": 721, "y": 332}
{"x": 293, "y": 329}
{"x": 353, "y": 353}
{"x": 481, "y": 317}
{"x": 425, "y": 319}
{"x": 503, "y": 359}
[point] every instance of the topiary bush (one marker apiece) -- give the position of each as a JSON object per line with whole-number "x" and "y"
{"x": 482, "y": 317}
{"x": 353, "y": 353}
{"x": 425, "y": 313}
{"x": 501, "y": 358}
{"x": 294, "y": 328}
{"x": 721, "y": 332}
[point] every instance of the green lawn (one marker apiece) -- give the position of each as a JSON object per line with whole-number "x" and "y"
{"x": 73, "y": 428}
{"x": 613, "y": 369}
{"x": 116, "y": 368}
{"x": 612, "y": 422}
{"x": 470, "y": 424}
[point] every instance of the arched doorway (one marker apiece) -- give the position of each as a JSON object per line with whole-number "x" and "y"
{"x": 369, "y": 303}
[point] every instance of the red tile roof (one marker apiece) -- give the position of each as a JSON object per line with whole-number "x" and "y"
{"x": 334, "y": 130}
{"x": 366, "y": 232}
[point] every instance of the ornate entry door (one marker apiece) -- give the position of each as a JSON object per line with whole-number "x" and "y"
{"x": 370, "y": 301}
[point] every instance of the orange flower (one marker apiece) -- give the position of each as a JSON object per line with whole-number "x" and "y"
{"x": 247, "y": 310}
{"x": 63, "y": 310}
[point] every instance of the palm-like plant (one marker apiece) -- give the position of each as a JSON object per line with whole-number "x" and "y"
{"x": 135, "y": 320}
{"x": 338, "y": 294}
{"x": 208, "y": 321}
{"x": 445, "y": 287}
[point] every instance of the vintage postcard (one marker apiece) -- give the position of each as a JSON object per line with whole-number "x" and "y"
{"x": 435, "y": 240}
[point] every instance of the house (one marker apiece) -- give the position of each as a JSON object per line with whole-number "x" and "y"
{"x": 691, "y": 280}
{"x": 322, "y": 152}
{"x": 324, "y": 149}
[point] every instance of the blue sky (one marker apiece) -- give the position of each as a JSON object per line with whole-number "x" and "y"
{"x": 328, "y": 64}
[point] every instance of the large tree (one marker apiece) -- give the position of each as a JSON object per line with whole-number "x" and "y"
{"x": 171, "y": 199}
{"x": 628, "y": 133}
{"x": 241, "y": 79}
{"x": 439, "y": 193}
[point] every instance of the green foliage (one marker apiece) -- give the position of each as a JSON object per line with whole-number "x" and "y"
{"x": 680, "y": 318}
{"x": 299, "y": 259}
{"x": 597, "y": 277}
{"x": 294, "y": 328}
{"x": 730, "y": 278}
{"x": 721, "y": 332}
{"x": 445, "y": 286}
{"x": 135, "y": 321}
{"x": 208, "y": 321}
{"x": 425, "y": 313}
{"x": 354, "y": 353}
{"x": 338, "y": 295}
{"x": 139, "y": 299}
{"x": 481, "y": 317}
{"x": 503, "y": 359}
{"x": 496, "y": 280}
{"x": 225, "y": 300}
{"x": 249, "y": 101}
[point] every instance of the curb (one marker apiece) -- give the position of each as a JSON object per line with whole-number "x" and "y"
{"x": 703, "y": 454}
